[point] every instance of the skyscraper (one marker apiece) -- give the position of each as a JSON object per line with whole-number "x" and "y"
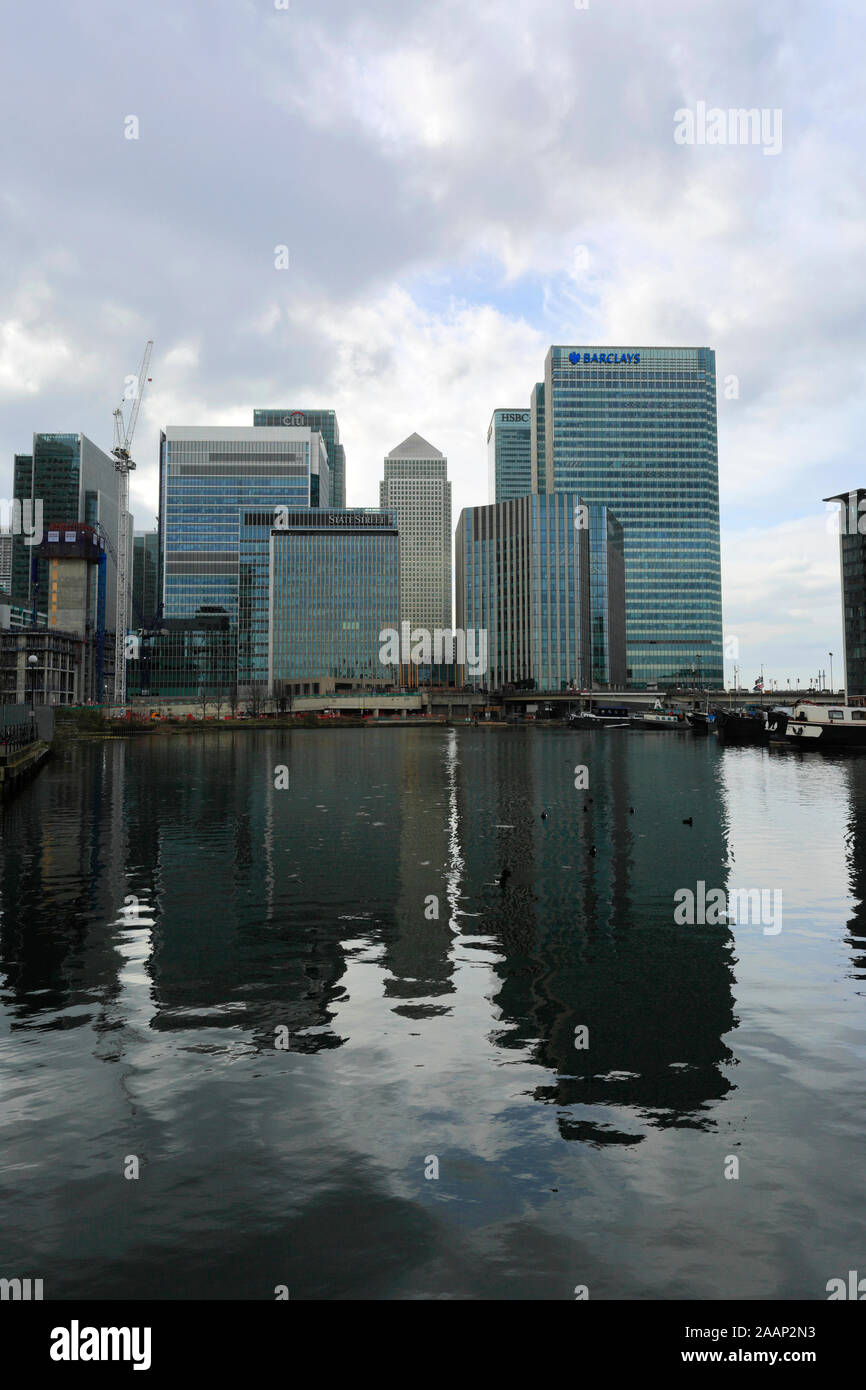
{"x": 536, "y": 438}
{"x": 5, "y": 562}
{"x": 65, "y": 478}
{"x": 145, "y": 577}
{"x": 852, "y": 559}
{"x": 607, "y": 586}
{"x": 635, "y": 429}
{"x": 325, "y": 421}
{"x": 509, "y": 455}
{"x": 213, "y": 561}
{"x": 416, "y": 487}
{"x": 523, "y": 576}
{"x": 335, "y": 588}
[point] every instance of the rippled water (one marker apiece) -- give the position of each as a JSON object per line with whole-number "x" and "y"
{"x": 147, "y": 1029}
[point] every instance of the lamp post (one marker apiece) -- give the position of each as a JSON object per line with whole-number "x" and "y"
{"x": 831, "y": 671}
{"x": 32, "y": 663}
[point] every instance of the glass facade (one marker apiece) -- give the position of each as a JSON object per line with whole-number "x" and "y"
{"x": 211, "y": 480}
{"x": 186, "y": 657}
{"x": 254, "y": 572}
{"x": 523, "y": 575}
{"x": 509, "y": 455}
{"x": 73, "y": 481}
{"x": 335, "y": 588}
{"x": 852, "y": 546}
{"x": 635, "y": 429}
{"x": 536, "y": 435}
{"x": 145, "y": 577}
{"x": 416, "y": 487}
{"x": 6, "y": 563}
{"x": 607, "y": 584}
{"x": 325, "y": 421}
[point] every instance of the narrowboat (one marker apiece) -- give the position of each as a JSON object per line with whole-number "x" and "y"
{"x": 827, "y": 726}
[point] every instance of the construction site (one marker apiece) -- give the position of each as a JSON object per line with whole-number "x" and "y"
{"x": 64, "y": 630}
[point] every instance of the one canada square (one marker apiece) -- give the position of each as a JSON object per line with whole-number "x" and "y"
{"x": 634, "y": 429}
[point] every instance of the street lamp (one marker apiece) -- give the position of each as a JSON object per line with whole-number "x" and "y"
{"x": 32, "y": 663}
{"x": 831, "y": 671}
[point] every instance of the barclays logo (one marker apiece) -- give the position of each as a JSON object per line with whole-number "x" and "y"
{"x": 609, "y": 358}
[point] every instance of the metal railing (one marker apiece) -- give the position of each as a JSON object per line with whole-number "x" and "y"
{"x": 17, "y": 729}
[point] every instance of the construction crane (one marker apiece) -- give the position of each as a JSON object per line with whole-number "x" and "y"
{"x": 123, "y": 463}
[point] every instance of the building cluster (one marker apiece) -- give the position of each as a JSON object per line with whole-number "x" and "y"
{"x": 595, "y": 562}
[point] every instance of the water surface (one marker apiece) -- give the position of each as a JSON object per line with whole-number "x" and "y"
{"x": 148, "y": 1029}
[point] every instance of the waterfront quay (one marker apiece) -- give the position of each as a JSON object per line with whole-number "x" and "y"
{"x": 25, "y": 742}
{"x": 448, "y": 705}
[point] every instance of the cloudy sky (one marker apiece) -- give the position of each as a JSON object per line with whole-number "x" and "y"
{"x": 458, "y": 186}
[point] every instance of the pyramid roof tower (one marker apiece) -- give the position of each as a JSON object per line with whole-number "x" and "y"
{"x": 415, "y": 448}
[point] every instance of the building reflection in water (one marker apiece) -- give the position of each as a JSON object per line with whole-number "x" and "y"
{"x": 253, "y": 897}
{"x": 418, "y": 942}
{"x": 588, "y": 938}
{"x": 855, "y": 853}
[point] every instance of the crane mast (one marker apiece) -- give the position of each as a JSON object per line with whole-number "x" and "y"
{"x": 123, "y": 463}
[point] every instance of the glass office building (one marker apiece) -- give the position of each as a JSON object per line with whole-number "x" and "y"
{"x": 209, "y": 478}
{"x": 65, "y": 478}
{"x": 523, "y": 575}
{"x": 325, "y": 421}
{"x": 254, "y": 581}
{"x": 852, "y": 555}
{"x": 416, "y": 487}
{"x": 335, "y": 588}
{"x": 186, "y": 657}
{"x": 607, "y": 585}
{"x": 509, "y": 455}
{"x": 6, "y": 563}
{"x": 536, "y": 438}
{"x": 635, "y": 429}
{"x": 145, "y": 577}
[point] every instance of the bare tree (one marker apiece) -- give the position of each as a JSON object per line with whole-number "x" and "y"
{"x": 255, "y": 700}
{"x": 285, "y": 698}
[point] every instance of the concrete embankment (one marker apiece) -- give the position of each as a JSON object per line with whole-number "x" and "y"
{"x": 15, "y": 768}
{"x": 26, "y": 734}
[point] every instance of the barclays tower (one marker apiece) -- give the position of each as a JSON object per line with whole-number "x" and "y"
{"x": 634, "y": 429}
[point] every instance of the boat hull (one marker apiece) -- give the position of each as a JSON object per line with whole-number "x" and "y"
{"x": 738, "y": 728}
{"x": 700, "y": 723}
{"x": 825, "y": 736}
{"x": 676, "y": 726}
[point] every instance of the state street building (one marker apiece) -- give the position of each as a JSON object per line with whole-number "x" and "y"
{"x": 634, "y": 429}
{"x": 334, "y": 590}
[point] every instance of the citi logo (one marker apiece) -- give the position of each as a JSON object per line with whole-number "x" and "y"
{"x": 856, "y": 1288}
{"x": 21, "y": 1290}
{"x": 76, "y": 1343}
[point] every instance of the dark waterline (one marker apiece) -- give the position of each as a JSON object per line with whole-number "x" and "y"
{"x": 414, "y": 1038}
